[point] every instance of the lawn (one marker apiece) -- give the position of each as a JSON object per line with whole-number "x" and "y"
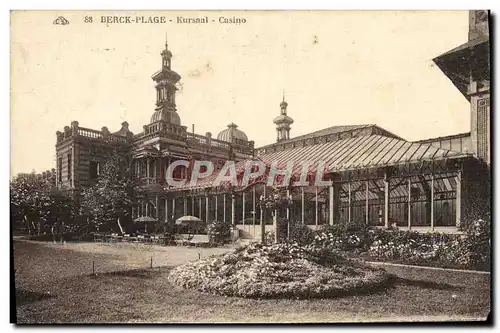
{"x": 54, "y": 284}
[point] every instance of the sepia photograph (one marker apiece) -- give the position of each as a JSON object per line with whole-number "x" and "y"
{"x": 253, "y": 167}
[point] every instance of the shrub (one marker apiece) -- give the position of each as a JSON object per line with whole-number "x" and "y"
{"x": 218, "y": 232}
{"x": 349, "y": 236}
{"x": 479, "y": 243}
{"x": 467, "y": 251}
{"x": 301, "y": 234}
{"x": 291, "y": 232}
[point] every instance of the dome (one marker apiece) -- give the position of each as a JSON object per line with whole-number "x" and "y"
{"x": 231, "y": 133}
{"x": 166, "y": 115}
{"x": 167, "y": 53}
{"x": 283, "y": 119}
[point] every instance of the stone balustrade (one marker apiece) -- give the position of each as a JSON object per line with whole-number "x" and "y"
{"x": 76, "y": 131}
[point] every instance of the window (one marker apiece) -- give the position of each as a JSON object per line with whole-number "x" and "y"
{"x": 69, "y": 166}
{"x": 482, "y": 128}
{"x": 94, "y": 170}
{"x": 59, "y": 170}
{"x": 179, "y": 172}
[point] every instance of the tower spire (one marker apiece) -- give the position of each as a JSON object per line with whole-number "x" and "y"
{"x": 165, "y": 80}
{"x": 283, "y": 121}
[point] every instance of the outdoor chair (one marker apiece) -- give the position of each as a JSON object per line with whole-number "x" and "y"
{"x": 147, "y": 239}
{"x": 98, "y": 237}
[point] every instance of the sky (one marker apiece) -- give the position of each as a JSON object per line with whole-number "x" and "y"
{"x": 335, "y": 67}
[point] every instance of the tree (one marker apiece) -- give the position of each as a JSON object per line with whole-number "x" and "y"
{"x": 110, "y": 198}
{"x": 278, "y": 199}
{"x": 36, "y": 205}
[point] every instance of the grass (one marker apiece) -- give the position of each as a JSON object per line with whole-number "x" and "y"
{"x": 54, "y": 284}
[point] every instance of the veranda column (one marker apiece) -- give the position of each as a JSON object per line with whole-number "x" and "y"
{"x": 458, "y": 209}
{"x": 262, "y": 222}
{"x": 185, "y": 204}
{"x": 432, "y": 202}
{"x": 275, "y": 223}
{"x": 367, "y": 207}
{"x": 253, "y": 209}
{"x": 155, "y": 161}
{"x": 207, "y": 217}
{"x": 243, "y": 213}
{"x": 386, "y": 199}
{"x": 287, "y": 207}
{"x": 302, "y": 206}
{"x": 316, "y": 206}
{"x": 409, "y": 203}
{"x": 199, "y": 208}
{"x": 173, "y": 208}
{"x": 349, "y": 207}
{"x": 157, "y": 203}
{"x": 330, "y": 206}
{"x": 166, "y": 215}
{"x": 147, "y": 208}
{"x": 216, "y": 205}
{"x": 166, "y": 211}
{"x": 192, "y": 204}
{"x": 233, "y": 222}
{"x": 224, "y": 207}
{"x": 147, "y": 168}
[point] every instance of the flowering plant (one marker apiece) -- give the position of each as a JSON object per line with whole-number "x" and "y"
{"x": 279, "y": 271}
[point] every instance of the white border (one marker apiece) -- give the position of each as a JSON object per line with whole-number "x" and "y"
{"x": 194, "y": 5}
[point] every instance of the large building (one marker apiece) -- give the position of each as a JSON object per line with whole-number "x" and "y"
{"x": 378, "y": 177}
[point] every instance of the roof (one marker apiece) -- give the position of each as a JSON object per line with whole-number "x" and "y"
{"x": 465, "y": 47}
{"x": 335, "y": 130}
{"x": 330, "y": 130}
{"x": 355, "y": 153}
{"x": 446, "y": 137}
{"x": 454, "y": 63}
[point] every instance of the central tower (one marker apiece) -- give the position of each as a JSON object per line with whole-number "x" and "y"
{"x": 165, "y": 84}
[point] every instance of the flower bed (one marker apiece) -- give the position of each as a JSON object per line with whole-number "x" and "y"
{"x": 279, "y": 271}
{"x": 469, "y": 250}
